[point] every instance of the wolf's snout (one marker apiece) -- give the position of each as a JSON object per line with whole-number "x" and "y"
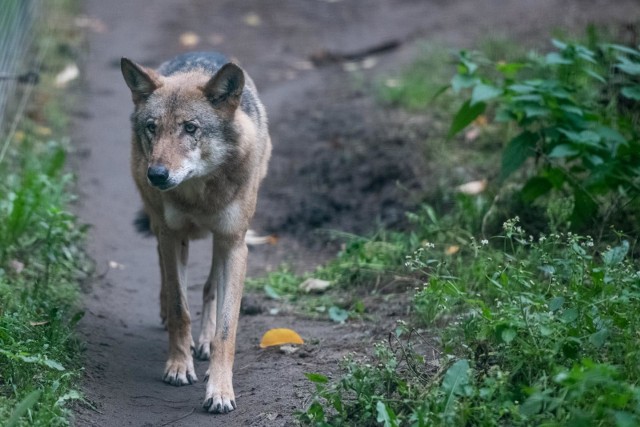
{"x": 158, "y": 175}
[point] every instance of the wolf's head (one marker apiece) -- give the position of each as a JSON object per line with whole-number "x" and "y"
{"x": 183, "y": 122}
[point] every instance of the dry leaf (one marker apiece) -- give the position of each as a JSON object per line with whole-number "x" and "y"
{"x": 189, "y": 39}
{"x": 473, "y": 188}
{"x": 280, "y": 336}
{"x": 252, "y": 239}
{"x": 116, "y": 265}
{"x": 314, "y": 285}
{"x": 252, "y": 19}
{"x": 481, "y": 121}
{"x": 16, "y": 266}
{"x": 44, "y": 322}
{"x": 472, "y": 134}
{"x": 452, "y": 250}
{"x": 67, "y": 75}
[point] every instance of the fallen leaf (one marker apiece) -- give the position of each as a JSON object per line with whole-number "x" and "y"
{"x": 481, "y": 121}
{"x": 472, "y": 134}
{"x": 44, "y": 322}
{"x": 280, "y": 336}
{"x": 452, "y": 250}
{"x": 189, "y": 39}
{"x": 314, "y": 285}
{"x": 252, "y": 19}
{"x": 116, "y": 265}
{"x": 473, "y": 188}
{"x": 67, "y": 75}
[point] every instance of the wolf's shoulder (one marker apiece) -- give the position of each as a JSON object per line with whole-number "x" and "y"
{"x": 206, "y": 61}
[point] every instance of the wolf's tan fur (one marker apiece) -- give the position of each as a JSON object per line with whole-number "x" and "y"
{"x": 215, "y": 178}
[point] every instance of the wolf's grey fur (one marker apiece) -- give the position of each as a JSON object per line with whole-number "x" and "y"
{"x": 200, "y": 148}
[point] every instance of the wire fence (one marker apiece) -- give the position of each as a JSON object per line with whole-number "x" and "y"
{"x": 18, "y": 27}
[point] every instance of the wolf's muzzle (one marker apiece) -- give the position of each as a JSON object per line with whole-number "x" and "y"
{"x": 158, "y": 175}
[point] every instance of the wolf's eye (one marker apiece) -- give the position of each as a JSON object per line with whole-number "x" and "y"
{"x": 151, "y": 127}
{"x": 190, "y": 128}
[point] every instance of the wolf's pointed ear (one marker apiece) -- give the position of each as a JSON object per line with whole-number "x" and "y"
{"x": 142, "y": 81}
{"x": 225, "y": 88}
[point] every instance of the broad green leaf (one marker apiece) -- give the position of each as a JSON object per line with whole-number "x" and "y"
{"x": 629, "y": 67}
{"x": 456, "y": 377}
{"x": 556, "y": 303}
{"x": 623, "y": 49}
{"x": 555, "y": 58}
{"x": 467, "y": 114}
{"x": 271, "y": 292}
{"x": 563, "y": 150}
{"x": 386, "y": 416}
{"x": 616, "y": 254}
{"x": 316, "y": 378}
{"x": 338, "y": 314}
{"x": 560, "y": 45}
{"x": 462, "y": 81}
{"x": 598, "y": 339}
{"x": 484, "y": 92}
{"x": 22, "y": 407}
{"x": 508, "y": 335}
{"x": 625, "y": 419}
{"x": 534, "y": 188}
{"x": 53, "y": 364}
{"x": 631, "y": 92}
{"x": 517, "y": 151}
{"x": 569, "y": 315}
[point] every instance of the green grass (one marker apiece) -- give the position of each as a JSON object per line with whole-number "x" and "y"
{"x": 41, "y": 260}
{"x": 518, "y": 323}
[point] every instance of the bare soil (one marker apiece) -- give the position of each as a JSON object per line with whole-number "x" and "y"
{"x": 341, "y": 161}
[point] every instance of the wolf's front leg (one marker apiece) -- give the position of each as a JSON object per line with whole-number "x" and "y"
{"x": 208, "y": 326}
{"x": 174, "y": 252}
{"x": 230, "y": 263}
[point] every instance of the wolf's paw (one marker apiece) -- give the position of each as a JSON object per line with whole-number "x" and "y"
{"x": 203, "y": 351}
{"x": 179, "y": 373}
{"x": 219, "y": 402}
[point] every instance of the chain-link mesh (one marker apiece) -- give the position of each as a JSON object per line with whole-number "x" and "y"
{"x": 17, "y": 29}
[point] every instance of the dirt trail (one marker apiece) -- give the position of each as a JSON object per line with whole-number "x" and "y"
{"x": 337, "y": 158}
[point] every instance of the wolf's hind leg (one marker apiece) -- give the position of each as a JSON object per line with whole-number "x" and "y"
{"x": 208, "y": 325}
{"x": 174, "y": 251}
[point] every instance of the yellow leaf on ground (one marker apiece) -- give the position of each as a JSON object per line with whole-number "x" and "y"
{"x": 452, "y": 250}
{"x": 280, "y": 336}
{"x": 189, "y": 39}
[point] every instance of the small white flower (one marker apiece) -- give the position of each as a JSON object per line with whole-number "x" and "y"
{"x": 484, "y": 242}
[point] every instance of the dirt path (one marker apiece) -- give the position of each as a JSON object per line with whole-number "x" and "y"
{"x": 337, "y": 158}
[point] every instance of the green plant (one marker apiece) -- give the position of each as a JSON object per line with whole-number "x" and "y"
{"x": 573, "y": 111}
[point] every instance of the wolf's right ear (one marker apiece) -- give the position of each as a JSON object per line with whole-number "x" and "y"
{"x": 142, "y": 81}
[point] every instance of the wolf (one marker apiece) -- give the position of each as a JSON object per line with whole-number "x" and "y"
{"x": 199, "y": 150}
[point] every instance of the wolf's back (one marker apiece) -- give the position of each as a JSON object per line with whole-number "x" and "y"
{"x": 210, "y": 63}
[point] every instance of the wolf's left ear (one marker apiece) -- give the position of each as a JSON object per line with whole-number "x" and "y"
{"x": 142, "y": 81}
{"x": 225, "y": 88}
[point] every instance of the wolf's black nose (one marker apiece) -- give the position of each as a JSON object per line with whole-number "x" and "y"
{"x": 158, "y": 174}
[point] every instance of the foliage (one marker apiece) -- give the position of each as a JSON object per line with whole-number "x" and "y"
{"x": 535, "y": 332}
{"x": 41, "y": 260}
{"x": 575, "y": 113}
